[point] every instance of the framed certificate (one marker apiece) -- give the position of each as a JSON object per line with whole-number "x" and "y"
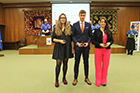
{"x": 48, "y": 41}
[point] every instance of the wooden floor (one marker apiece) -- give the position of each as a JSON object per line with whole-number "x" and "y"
{"x": 32, "y": 49}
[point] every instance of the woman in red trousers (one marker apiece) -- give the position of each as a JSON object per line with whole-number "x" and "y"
{"x": 102, "y": 39}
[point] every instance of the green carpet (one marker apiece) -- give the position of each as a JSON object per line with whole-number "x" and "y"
{"x": 36, "y": 74}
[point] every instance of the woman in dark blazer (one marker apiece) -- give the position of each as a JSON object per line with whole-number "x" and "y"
{"x": 62, "y": 50}
{"x": 102, "y": 39}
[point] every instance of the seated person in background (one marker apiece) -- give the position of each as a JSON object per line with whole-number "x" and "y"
{"x": 96, "y": 27}
{"x": 69, "y": 23}
{"x": 45, "y": 27}
{"x": 54, "y": 25}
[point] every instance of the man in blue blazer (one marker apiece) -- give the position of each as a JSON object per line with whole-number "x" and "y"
{"x": 81, "y": 36}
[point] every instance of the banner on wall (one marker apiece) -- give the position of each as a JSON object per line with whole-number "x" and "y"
{"x": 33, "y": 20}
{"x": 110, "y": 14}
{"x": 137, "y": 39}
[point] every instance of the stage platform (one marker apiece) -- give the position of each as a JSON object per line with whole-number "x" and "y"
{"x": 32, "y": 49}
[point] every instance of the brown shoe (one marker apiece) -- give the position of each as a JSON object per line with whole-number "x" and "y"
{"x": 75, "y": 82}
{"x": 87, "y": 81}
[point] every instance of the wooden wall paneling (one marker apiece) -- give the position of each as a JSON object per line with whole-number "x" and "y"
{"x": 115, "y": 4}
{"x": 21, "y": 23}
{"x": 121, "y": 25}
{"x": 7, "y": 27}
{"x": 27, "y": 5}
{"x": 129, "y": 14}
{"x": 11, "y": 25}
{"x": 1, "y": 14}
{"x": 16, "y": 23}
{"x": 5, "y": 11}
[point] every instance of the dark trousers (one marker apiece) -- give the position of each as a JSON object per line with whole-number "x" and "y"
{"x": 130, "y": 51}
{"x": 78, "y": 52}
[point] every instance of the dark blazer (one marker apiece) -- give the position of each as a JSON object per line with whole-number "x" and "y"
{"x": 62, "y": 51}
{"x": 78, "y": 36}
{"x": 97, "y": 38}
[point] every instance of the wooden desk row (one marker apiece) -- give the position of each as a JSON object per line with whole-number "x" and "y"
{"x": 11, "y": 45}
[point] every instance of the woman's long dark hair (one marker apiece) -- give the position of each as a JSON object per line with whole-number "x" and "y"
{"x": 106, "y": 30}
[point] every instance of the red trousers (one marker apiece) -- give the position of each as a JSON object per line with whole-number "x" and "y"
{"x": 102, "y": 58}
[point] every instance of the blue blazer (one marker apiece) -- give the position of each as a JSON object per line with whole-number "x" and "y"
{"x": 129, "y": 32}
{"x": 78, "y": 36}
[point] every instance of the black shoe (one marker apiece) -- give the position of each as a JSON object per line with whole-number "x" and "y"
{"x": 103, "y": 85}
{"x": 128, "y": 53}
{"x": 131, "y": 53}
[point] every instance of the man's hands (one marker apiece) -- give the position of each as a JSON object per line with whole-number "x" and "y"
{"x": 46, "y": 31}
{"x": 85, "y": 44}
{"x": 82, "y": 44}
